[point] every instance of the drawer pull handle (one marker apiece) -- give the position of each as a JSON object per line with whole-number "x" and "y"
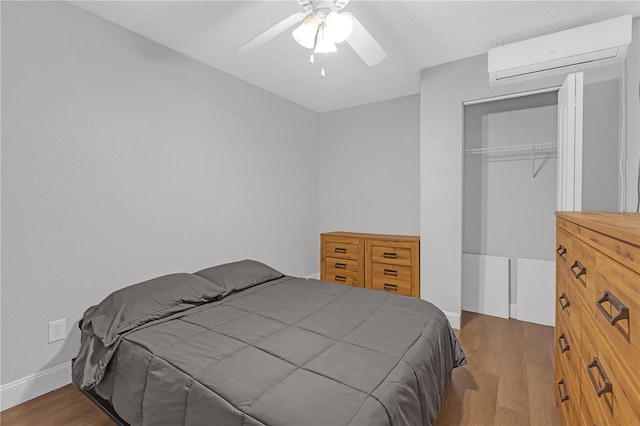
{"x": 390, "y": 255}
{"x": 623, "y": 311}
{"x": 341, "y": 266}
{"x": 582, "y": 270}
{"x": 595, "y": 362}
{"x": 563, "y": 397}
{"x": 564, "y": 297}
{"x": 391, "y": 272}
{"x": 562, "y": 250}
{"x": 390, "y": 287}
{"x": 562, "y": 338}
{"x": 340, "y": 250}
{"x": 341, "y": 278}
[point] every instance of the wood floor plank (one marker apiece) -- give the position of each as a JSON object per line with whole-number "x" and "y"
{"x": 508, "y": 381}
{"x": 484, "y": 396}
{"x": 513, "y": 391}
{"x": 507, "y": 417}
{"x": 542, "y": 407}
{"x": 536, "y": 352}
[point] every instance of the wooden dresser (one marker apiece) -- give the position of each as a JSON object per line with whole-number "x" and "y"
{"x": 597, "y": 347}
{"x": 382, "y": 262}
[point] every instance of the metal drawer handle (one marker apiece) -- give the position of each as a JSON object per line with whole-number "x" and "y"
{"x": 340, "y": 250}
{"x": 561, "y": 250}
{"x": 564, "y": 297}
{"x": 562, "y": 338}
{"x": 595, "y": 362}
{"x": 390, "y": 287}
{"x": 341, "y": 278}
{"x": 341, "y": 266}
{"x": 390, "y": 255}
{"x": 564, "y": 397}
{"x": 623, "y": 311}
{"x": 582, "y": 270}
{"x": 391, "y": 272}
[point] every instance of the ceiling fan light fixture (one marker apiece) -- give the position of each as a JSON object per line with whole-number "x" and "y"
{"x": 338, "y": 26}
{"x": 305, "y": 34}
{"x": 323, "y": 43}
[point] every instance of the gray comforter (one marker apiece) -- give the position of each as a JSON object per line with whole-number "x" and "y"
{"x": 289, "y": 351}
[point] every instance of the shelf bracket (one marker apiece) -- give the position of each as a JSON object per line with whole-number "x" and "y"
{"x": 533, "y": 164}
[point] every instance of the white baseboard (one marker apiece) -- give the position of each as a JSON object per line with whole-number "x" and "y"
{"x": 315, "y": 276}
{"x": 34, "y": 385}
{"x": 454, "y": 319}
{"x": 513, "y": 311}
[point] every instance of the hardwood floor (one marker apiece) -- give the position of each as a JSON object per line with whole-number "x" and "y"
{"x": 509, "y": 376}
{"x": 508, "y": 381}
{"x": 64, "y": 406}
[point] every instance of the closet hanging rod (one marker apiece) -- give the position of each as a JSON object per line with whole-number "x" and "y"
{"x": 513, "y": 148}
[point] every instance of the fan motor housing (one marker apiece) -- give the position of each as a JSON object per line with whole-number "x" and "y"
{"x": 333, "y": 5}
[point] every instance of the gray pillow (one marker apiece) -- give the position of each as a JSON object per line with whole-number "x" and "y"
{"x": 237, "y": 276}
{"x": 140, "y": 303}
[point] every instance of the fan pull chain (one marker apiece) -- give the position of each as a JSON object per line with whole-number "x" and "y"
{"x": 315, "y": 44}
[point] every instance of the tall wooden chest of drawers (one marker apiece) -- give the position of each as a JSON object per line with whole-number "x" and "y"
{"x": 597, "y": 347}
{"x": 382, "y": 262}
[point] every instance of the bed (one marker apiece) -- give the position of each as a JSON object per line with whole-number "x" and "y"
{"x": 242, "y": 344}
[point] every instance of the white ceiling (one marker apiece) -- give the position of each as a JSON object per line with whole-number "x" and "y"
{"x": 415, "y": 34}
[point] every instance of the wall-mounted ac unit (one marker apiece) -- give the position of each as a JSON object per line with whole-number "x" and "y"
{"x": 561, "y": 52}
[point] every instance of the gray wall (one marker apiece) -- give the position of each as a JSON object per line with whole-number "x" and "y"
{"x": 601, "y": 147}
{"x": 443, "y": 90}
{"x": 370, "y": 168}
{"x": 504, "y": 213}
{"x": 123, "y": 161}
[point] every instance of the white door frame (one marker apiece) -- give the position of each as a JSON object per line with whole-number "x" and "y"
{"x": 570, "y": 117}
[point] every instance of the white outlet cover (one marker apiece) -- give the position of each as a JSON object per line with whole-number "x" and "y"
{"x": 57, "y": 330}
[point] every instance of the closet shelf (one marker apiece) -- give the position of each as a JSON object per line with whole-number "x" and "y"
{"x": 542, "y": 151}
{"x": 533, "y": 152}
{"x": 539, "y": 150}
{"x": 515, "y": 156}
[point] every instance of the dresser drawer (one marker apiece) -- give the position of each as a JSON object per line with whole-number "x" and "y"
{"x": 343, "y": 277}
{"x": 563, "y": 248}
{"x": 570, "y": 227}
{"x": 567, "y": 395}
{"x": 611, "y": 393}
{"x": 619, "y": 251}
{"x": 343, "y": 249}
{"x": 618, "y": 310}
{"x": 391, "y": 285}
{"x": 382, "y": 253}
{"x": 567, "y": 350}
{"x": 590, "y": 408}
{"x": 338, "y": 265}
{"x": 581, "y": 271}
{"x": 568, "y": 308}
{"x": 391, "y": 271}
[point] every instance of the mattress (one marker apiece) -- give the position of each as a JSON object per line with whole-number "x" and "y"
{"x": 286, "y": 351}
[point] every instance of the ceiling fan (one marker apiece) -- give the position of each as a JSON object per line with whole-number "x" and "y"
{"x": 320, "y": 27}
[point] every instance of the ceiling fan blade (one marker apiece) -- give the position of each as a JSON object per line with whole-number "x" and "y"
{"x": 365, "y": 45}
{"x": 272, "y": 32}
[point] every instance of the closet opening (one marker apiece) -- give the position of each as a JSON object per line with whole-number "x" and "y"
{"x": 509, "y": 203}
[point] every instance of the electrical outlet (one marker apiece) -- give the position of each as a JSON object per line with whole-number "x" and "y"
{"x": 57, "y": 330}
